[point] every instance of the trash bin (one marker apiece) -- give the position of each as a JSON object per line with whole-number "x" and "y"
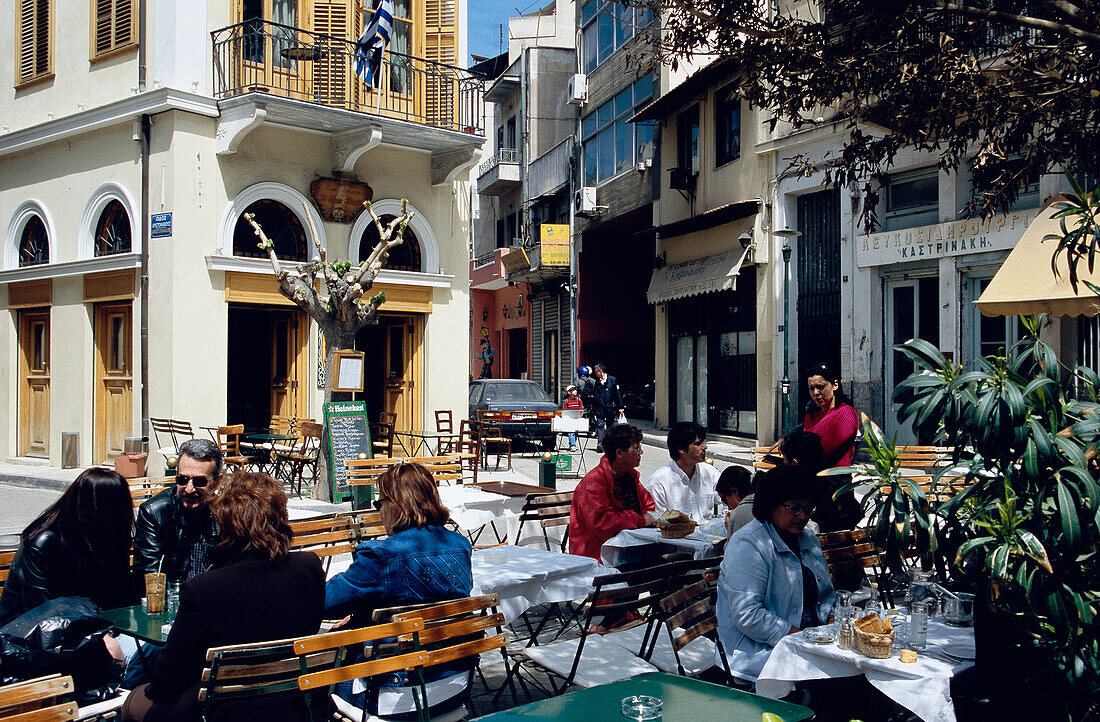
{"x": 548, "y": 471}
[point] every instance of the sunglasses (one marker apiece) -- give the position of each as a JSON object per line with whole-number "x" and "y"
{"x": 198, "y": 481}
{"x": 796, "y": 509}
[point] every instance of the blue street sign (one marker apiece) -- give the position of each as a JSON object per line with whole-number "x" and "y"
{"x": 161, "y": 225}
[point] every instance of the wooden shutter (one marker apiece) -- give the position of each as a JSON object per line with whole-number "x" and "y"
{"x": 440, "y": 38}
{"x": 35, "y": 39}
{"x": 113, "y": 26}
{"x": 332, "y": 74}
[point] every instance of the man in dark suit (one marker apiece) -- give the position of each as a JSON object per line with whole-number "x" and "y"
{"x": 607, "y": 400}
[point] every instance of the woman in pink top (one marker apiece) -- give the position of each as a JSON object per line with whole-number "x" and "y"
{"x": 832, "y": 418}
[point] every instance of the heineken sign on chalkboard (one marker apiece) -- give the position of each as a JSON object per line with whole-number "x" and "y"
{"x": 347, "y": 426}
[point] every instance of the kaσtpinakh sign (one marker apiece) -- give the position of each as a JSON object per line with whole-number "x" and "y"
{"x": 953, "y": 238}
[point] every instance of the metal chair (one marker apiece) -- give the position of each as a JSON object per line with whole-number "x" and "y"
{"x": 301, "y": 456}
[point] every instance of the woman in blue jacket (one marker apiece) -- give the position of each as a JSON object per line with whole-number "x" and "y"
{"x": 420, "y": 561}
{"x": 774, "y": 579}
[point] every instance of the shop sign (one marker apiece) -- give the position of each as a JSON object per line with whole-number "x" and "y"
{"x": 515, "y": 261}
{"x": 555, "y": 244}
{"x": 953, "y": 238}
{"x": 339, "y": 200}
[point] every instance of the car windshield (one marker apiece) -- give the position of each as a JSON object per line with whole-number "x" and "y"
{"x": 515, "y": 393}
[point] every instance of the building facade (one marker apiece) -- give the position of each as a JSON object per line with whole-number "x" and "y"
{"x": 130, "y": 153}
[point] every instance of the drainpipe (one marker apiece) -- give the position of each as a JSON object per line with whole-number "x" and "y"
{"x": 143, "y": 289}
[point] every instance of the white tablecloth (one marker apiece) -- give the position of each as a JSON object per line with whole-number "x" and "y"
{"x": 473, "y": 508}
{"x": 625, "y": 546}
{"x": 923, "y": 687}
{"x": 526, "y": 576}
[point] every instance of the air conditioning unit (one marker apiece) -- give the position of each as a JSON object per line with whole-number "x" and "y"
{"x": 585, "y": 200}
{"x": 681, "y": 179}
{"x": 577, "y": 89}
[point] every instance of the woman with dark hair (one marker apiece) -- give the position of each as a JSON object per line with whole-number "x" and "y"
{"x": 832, "y": 418}
{"x": 774, "y": 578}
{"x": 257, "y": 591}
{"x": 78, "y": 547}
{"x": 420, "y": 561}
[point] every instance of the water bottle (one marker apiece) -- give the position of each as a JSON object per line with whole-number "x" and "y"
{"x": 918, "y": 625}
{"x": 920, "y": 589}
{"x": 873, "y": 604}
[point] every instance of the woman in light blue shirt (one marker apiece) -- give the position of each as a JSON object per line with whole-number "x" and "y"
{"x": 774, "y": 579}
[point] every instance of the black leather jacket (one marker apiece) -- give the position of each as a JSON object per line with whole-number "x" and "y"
{"x": 43, "y": 569}
{"x": 161, "y": 531}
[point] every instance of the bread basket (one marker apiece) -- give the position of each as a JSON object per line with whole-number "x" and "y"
{"x": 676, "y": 531}
{"x": 870, "y": 643}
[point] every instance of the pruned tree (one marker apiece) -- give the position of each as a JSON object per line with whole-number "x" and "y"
{"x": 1006, "y": 89}
{"x": 341, "y": 307}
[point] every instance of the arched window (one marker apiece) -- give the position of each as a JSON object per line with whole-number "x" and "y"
{"x": 405, "y": 257}
{"x": 34, "y": 244}
{"x": 280, "y": 225}
{"x": 112, "y": 232}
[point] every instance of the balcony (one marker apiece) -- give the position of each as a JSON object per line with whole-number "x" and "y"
{"x": 500, "y": 173}
{"x": 549, "y": 173}
{"x": 267, "y": 72}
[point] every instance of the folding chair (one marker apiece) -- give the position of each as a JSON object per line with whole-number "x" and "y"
{"x": 469, "y": 446}
{"x": 339, "y": 538}
{"x": 692, "y": 625}
{"x": 493, "y": 440}
{"x": 444, "y": 424}
{"x": 163, "y": 437}
{"x": 550, "y": 511}
{"x": 36, "y": 700}
{"x": 849, "y": 555}
{"x": 144, "y": 488}
{"x": 229, "y": 440}
{"x": 303, "y": 455}
{"x": 242, "y": 672}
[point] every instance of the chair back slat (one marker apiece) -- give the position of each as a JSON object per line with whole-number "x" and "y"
{"x": 36, "y": 700}
{"x": 549, "y": 510}
{"x": 365, "y": 472}
{"x": 263, "y": 669}
{"x": 461, "y": 628}
{"x": 362, "y": 635}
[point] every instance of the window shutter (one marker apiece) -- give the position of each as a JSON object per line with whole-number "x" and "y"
{"x": 440, "y": 23}
{"x": 103, "y": 26}
{"x": 35, "y": 41}
{"x": 332, "y": 72}
{"x": 114, "y": 26}
{"x": 124, "y": 22}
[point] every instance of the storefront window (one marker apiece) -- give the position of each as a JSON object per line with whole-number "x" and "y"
{"x": 404, "y": 257}
{"x": 912, "y": 199}
{"x": 280, "y": 225}
{"x": 112, "y": 232}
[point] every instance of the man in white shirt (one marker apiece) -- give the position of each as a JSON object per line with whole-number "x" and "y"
{"x": 687, "y": 482}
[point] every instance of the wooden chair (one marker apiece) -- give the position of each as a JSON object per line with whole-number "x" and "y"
{"x": 303, "y": 455}
{"x": 549, "y": 511}
{"x": 765, "y": 457}
{"x": 144, "y": 488}
{"x": 325, "y": 540}
{"x": 381, "y": 439}
{"x": 388, "y": 417}
{"x": 243, "y": 672}
{"x": 365, "y": 472}
{"x": 444, "y": 424}
{"x": 469, "y": 445}
{"x": 365, "y": 525}
{"x": 493, "y": 440}
{"x": 229, "y": 441}
{"x": 37, "y": 700}
{"x": 692, "y": 625}
{"x": 925, "y": 458}
{"x": 849, "y": 555}
{"x": 6, "y": 558}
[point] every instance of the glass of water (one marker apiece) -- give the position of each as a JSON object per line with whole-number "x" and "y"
{"x": 918, "y": 625}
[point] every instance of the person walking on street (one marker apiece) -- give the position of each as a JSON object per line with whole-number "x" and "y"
{"x": 607, "y": 401}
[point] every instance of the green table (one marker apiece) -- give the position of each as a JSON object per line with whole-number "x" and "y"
{"x": 684, "y": 700}
{"x": 136, "y": 622}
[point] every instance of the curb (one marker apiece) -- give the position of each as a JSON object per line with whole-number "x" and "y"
{"x": 34, "y": 482}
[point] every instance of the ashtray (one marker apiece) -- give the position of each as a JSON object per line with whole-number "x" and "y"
{"x": 825, "y": 634}
{"x": 642, "y": 707}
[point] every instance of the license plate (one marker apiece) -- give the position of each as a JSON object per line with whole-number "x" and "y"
{"x": 524, "y": 415}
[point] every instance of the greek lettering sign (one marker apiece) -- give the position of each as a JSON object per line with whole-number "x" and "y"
{"x": 160, "y": 225}
{"x": 555, "y": 244}
{"x": 515, "y": 261}
{"x": 339, "y": 200}
{"x": 953, "y": 238}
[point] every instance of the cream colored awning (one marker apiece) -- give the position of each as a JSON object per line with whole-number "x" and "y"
{"x": 1026, "y": 285}
{"x": 703, "y": 275}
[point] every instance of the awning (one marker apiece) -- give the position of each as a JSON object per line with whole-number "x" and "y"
{"x": 692, "y": 278}
{"x": 721, "y": 215}
{"x": 1025, "y": 283}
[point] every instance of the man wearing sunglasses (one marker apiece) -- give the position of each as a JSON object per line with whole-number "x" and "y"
{"x": 175, "y": 525}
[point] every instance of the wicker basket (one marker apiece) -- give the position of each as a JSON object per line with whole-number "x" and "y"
{"x": 677, "y": 531}
{"x": 876, "y": 646}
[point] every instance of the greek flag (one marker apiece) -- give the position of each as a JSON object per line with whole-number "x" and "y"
{"x": 368, "y": 51}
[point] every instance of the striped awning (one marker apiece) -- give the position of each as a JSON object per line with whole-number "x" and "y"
{"x": 692, "y": 278}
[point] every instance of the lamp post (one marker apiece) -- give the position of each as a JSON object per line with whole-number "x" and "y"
{"x": 785, "y": 385}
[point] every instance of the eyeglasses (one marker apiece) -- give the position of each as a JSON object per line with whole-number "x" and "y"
{"x": 198, "y": 481}
{"x": 796, "y": 509}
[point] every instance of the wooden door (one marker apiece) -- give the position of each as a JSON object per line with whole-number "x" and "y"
{"x": 114, "y": 379}
{"x": 333, "y": 75}
{"x": 34, "y": 382}
{"x": 289, "y": 359}
{"x": 403, "y": 361}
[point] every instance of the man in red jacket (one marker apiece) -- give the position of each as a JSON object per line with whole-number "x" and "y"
{"x": 610, "y": 498}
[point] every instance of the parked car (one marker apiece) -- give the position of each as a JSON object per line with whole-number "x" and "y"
{"x": 527, "y": 407}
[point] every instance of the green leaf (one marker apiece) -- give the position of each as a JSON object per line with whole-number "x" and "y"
{"x": 1071, "y": 528}
{"x": 923, "y": 354}
{"x": 972, "y": 545}
{"x": 1034, "y": 549}
{"x": 998, "y": 562}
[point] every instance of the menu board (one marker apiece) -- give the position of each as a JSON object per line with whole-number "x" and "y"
{"x": 347, "y": 427}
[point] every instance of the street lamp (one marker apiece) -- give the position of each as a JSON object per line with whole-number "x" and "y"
{"x": 785, "y": 385}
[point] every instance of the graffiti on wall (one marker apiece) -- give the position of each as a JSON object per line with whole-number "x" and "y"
{"x": 487, "y": 353}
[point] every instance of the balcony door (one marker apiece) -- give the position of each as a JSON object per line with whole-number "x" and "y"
{"x": 275, "y": 54}
{"x": 334, "y": 81}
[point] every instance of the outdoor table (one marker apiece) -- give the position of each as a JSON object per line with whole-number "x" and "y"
{"x": 922, "y": 687}
{"x": 473, "y": 508}
{"x": 420, "y": 441}
{"x": 512, "y": 488}
{"x": 265, "y": 441}
{"x": 524, "y": 577}
{"x": 632, "y": 545}
{"x": 683, "y": 700}
{"x": 137, "y": 623}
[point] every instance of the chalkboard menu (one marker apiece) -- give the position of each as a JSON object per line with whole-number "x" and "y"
{"x": 347, "y": 427}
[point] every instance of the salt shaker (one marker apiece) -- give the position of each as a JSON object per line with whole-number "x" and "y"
{"x": 844, "y": 636}
{"x": 918, "y": 625}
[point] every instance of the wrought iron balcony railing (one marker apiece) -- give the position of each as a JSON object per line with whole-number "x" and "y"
{"x": 504, "y": 155}
{"x": 257, "y": 55}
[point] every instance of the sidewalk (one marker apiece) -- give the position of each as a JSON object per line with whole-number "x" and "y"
{"x": 729, "y": 449}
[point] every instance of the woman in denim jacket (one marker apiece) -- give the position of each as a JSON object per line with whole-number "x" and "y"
{"x": 419, "y": 561}
{"x": 774, "y": 579}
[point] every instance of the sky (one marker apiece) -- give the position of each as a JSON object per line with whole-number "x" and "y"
{"x": 485, "y": 18}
